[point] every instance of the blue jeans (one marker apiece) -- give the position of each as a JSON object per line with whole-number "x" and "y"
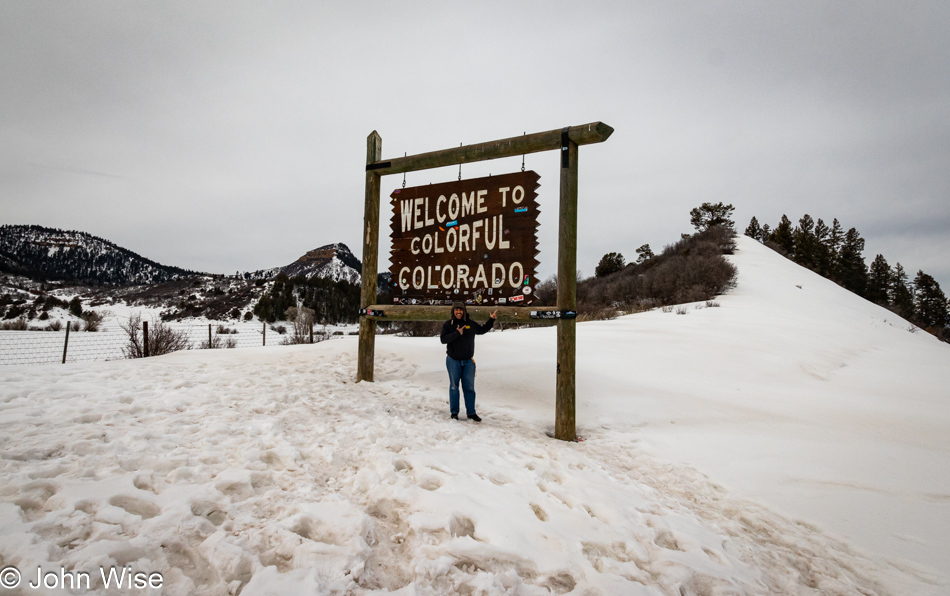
{"x": 463, "y": 370}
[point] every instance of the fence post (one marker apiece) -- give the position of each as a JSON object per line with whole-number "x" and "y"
{"x": 265, "y": 333}
{"x": 66, "y": 343}
{"x": 145, "y": 337}
{"x": 209, "y": 336}
{"x": 311, "y": 332}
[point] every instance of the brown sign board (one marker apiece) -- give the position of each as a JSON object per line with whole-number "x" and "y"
{"x": 474, "y": 241}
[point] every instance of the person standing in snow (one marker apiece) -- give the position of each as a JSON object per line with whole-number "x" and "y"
{"x": 458, "y": 335}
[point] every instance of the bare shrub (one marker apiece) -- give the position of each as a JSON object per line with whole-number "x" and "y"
{"x": 545, "y": 293}
{"x": 690, "y": 270}
{"x": 600, "y": 314}
{"x": 217, "y": 343}
{"x": 91, "y": 320}
{"x": 74, "y": 325}
{"x": 301, "y": 321}
{"x": 723, "y": 237}
{"x": 712, "y": 304}
{"x": 419, "y": 328}
{"x": 19, "y": 324}
{"x": 689, "y": 278}
{"x": 55, "y": 325}
{"x": 681, "y": 310}
{"x": 644, "y": 304}
{"x": 387, "y": 327}
{"x": 668, "y": 308}
{"x": 162, "y": 339}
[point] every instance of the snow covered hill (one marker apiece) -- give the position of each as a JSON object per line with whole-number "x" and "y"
{"x": 49, "y": 253}
{"x": 333, "y": 261}
{"x": 792, "y": 440}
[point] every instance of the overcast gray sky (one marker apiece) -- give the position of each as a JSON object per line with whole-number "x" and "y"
{"x": 225, "y": 136}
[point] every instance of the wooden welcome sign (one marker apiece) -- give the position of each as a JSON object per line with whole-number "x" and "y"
{"x": 474, "y": 241}
{"x": 476, "y": 236}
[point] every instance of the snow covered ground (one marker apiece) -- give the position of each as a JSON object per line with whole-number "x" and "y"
{"x": 793, "y": 440}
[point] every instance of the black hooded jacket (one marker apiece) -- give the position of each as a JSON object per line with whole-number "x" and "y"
{"x": 461, "y": 346}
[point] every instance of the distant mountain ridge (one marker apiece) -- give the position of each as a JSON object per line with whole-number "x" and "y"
{"x": 43, "y": 253}
{"x": 333, "y": 261}
{"x": 70, "y": 255}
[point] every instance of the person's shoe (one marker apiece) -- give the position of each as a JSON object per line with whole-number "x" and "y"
{"x": 455, "y": 416}
{"x": 475, "y": 417}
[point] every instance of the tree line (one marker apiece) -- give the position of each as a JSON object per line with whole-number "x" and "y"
{"x": 838, "y": 255}
{"x": 332, "y": 302}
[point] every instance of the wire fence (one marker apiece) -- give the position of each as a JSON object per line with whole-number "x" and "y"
{"x": 54, "y": 347}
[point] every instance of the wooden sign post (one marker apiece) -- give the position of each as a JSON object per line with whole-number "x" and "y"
{"x": 566, "y": 141}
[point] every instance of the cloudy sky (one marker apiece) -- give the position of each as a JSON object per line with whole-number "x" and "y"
{"x": 225, "y": 136}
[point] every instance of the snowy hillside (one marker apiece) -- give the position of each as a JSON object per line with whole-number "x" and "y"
{"x": 792, "y": 440}
{"x": 333, "y": 261}
{"x": 77, "y": 256}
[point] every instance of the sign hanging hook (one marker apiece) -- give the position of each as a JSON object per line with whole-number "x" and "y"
{"x": 460, "y": 168}
{"x": 522, "y": 155}
{"x": 404, "y": 174}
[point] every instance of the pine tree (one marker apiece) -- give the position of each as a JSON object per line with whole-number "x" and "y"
{"x": 823, "y": 261}
{"x": 708, "y": 215}
{"x": 930, "y": 302}
{"x": 644, "y": 253}
{"x": 852, "y": 271}
{"x": 901, "y": 298}
{"x": 835, "y": 238}
{"x": 611, "y": 262}
{"x": 783, "y": 236}
{"x": 753, "y": 230}
{"x": 879, "y": 281}
{"x": 806, "y": 244}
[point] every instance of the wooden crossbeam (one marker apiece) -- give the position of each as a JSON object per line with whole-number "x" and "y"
{"x": 585, "y": 134}
{"x": 506, "y": 314}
